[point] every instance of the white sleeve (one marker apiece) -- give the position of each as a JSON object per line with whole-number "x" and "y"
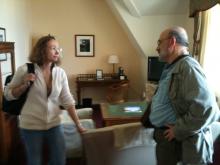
{"x": 65, "y": 95}
{"x": 16, "y": 80}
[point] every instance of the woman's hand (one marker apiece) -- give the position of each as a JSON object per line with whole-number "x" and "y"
{"x": 72, "y": 113}
{"x": 80, "y": 128}
{"x": 20, "y": 89}
{"x": 29, "y": 77}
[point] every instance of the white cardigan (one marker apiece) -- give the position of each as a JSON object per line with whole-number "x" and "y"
{"x": 39, "y": 111}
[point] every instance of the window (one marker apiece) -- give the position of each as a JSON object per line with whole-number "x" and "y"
{"x": 211, "y": 62}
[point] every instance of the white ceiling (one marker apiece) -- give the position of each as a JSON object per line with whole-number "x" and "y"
{"x": 157, "y": 7}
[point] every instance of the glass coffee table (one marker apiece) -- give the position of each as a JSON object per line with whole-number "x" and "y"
{"x": 127, "y": 112}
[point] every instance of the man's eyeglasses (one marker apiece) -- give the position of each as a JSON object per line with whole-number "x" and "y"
{"x": 161, "y": 40}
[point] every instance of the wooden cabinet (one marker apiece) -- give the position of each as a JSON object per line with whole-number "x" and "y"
{"x": 7, "y": 123}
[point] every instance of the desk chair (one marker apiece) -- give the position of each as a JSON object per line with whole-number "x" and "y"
{"x": 116, "y": 93}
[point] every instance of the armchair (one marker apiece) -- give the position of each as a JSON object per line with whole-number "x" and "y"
{"x": 125, "y": 144}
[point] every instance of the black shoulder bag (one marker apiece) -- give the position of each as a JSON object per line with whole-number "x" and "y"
{"x": 14, "y": 107}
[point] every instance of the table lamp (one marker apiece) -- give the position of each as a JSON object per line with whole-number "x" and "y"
{"x": 113, "y": 59}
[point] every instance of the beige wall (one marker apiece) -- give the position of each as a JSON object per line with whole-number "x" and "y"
{"x": 26, "y": 20}
{"x": 143, "y": 31}
{"x": 14, "y": 18}
{"x": 66, "y": 18}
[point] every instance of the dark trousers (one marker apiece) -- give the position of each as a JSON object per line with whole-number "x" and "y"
{"x": 167, "y": 152}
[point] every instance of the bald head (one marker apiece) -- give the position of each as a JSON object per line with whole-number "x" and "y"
{"x": 180, "y": 34}
{"x": 172, "y": 43}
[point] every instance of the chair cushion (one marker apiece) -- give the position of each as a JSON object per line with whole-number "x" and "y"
{"x": 84, "y": 113}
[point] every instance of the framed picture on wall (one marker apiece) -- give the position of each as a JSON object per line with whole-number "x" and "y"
{"x": 2, "y": 34}
{"x": 84, "y": 45}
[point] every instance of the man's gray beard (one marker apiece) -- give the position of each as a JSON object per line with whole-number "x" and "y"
{"x": 161, "y": 57}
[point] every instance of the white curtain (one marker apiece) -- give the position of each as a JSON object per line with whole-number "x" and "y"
{"x": 210, "y": 52}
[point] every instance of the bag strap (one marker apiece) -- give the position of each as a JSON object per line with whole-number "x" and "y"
{"x": 31, "y": 69}
{"x": 145, "y": 119}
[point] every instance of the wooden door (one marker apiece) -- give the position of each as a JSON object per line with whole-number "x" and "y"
{"x": 7, "y": 66}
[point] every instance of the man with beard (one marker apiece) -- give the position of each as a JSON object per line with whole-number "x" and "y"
{"x": 184, "y": 107}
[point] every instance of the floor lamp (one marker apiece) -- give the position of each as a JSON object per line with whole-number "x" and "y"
{"x": 113, "y": 59}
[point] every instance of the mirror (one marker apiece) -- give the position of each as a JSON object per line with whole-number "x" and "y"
{"x": 6, "y": 69}
{"x": 7, "y": 64}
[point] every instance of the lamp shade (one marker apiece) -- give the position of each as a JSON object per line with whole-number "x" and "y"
{"x": 113, "y": 59}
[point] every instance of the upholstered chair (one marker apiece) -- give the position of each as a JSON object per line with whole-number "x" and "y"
{"x": 125, "y": 144}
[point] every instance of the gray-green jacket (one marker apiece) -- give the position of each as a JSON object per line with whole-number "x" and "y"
{"x": 196, "y": 108}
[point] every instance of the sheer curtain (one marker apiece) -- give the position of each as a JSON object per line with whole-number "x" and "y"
{"x": 196, "y": 10}
{"x": 210, "y": 48}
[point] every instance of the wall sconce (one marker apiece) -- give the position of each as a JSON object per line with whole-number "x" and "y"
{"x": 113, "y": 59}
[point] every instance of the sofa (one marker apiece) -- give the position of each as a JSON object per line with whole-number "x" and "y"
{"x": 71, "y": 135}
{"x": 125, "y": 144}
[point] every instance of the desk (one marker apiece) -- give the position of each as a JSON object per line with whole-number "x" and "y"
{"x": 82, "y": 82}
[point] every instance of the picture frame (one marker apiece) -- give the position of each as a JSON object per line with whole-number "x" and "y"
{"x": 84, "y": 45}
{"x": 2, "y": 34}
{"x": 99, "y": 74}
{"x": 3, "y": 56}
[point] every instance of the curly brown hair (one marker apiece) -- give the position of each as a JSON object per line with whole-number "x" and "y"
{"x": 38, "y": 52}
